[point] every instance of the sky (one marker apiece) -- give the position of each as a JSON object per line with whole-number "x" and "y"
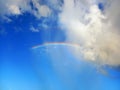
{"x": 59, "y": 45}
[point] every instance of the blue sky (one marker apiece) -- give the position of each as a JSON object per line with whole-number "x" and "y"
{"x": 31, "y": 23}
{"x": 17, "y": 61}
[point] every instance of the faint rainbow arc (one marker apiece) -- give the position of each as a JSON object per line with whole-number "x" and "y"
{"x": 57, "y": 43}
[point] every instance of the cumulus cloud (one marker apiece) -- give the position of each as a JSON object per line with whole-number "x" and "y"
{"x": 96, "y": 31}
{"x": 17, "y": 7}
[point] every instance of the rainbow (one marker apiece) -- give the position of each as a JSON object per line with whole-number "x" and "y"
{"x": 56, "y": 43}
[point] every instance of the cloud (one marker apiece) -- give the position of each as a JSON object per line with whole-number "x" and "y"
{"x": 18, "y": 7}
{"x": 96, "y": 31}
{"x": 14, "y": 9}
{"x": 33, "y": 29}
{"x": 40, "y": 10}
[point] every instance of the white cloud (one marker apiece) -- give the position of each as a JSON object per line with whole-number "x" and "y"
{"x": 17, "y": 7}
{"x": 95, "y": 31}
{"x": 42, "y": 10}
{"x": 33, "y": 29}
{"x": 14, "y": 9}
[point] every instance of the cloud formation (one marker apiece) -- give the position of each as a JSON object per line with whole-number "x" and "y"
{"x": 18, "y": 7}
{"x": 96, "y": 31}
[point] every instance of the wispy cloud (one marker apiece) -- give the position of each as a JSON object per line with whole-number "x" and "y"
{"x": 33, "y": 29}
